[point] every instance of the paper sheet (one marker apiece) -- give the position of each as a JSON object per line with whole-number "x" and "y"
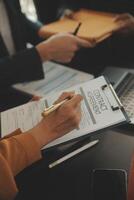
{"x": 96, "y": 111}
{"x": 57, "y": 77}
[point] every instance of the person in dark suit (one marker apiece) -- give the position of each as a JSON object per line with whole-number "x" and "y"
{"x": 19, "y": 64}
{"x": 116, "y": 50}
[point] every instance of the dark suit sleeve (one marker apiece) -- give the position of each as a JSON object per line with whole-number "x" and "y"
{"x": 47, "y": 10}
{"x": 24, "y": 66}
{"x": 31, "y": 30}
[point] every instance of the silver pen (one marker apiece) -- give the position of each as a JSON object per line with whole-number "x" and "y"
{"x": 70, "y": 155}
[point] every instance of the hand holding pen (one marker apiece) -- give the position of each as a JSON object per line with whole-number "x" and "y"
{"x": 63, "y": 119}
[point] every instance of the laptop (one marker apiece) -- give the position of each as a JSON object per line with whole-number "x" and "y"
{"x": 122, "y": 80}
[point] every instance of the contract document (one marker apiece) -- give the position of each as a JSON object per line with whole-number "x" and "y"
{"x": 100, "y": 107}
{"x": 57, "y": 77}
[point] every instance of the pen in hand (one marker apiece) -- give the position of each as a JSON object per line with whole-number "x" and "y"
{"x": 52, "y": 108}
{"x": 77, "y": 29}
{"x": 92, "y": 41}
{"x": 55, "y": 106}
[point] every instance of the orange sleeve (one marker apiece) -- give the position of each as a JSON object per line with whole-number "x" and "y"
{"x": 16, "y": 153}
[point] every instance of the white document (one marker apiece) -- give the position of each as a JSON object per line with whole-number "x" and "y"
{"x": 57, "y": 78}
{"x": 97, "y": 111}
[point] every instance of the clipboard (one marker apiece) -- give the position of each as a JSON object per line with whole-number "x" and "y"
{"x": 101, "y": 109}
{"x": 120, "y": 105}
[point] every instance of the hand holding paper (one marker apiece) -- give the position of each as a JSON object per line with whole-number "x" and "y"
{"x": 125, "y": 23}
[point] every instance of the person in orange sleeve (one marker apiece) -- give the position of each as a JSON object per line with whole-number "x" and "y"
{"x": 29, "y": 145}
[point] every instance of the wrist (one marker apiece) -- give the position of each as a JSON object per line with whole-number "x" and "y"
{"x": 43, "y": 51}
{"x": 39, "y": 135}
{"x": 42, "y": 134}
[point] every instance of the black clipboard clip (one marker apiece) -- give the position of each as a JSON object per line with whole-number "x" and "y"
{"x": 114, "y": 108}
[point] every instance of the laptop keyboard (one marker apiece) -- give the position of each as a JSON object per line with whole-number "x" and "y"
{"x": 125, "y": 91}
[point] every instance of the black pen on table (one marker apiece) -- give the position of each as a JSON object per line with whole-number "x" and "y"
{"x": 77, "y": 29}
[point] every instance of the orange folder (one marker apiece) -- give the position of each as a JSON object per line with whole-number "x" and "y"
{"x": 95, "y": 25}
